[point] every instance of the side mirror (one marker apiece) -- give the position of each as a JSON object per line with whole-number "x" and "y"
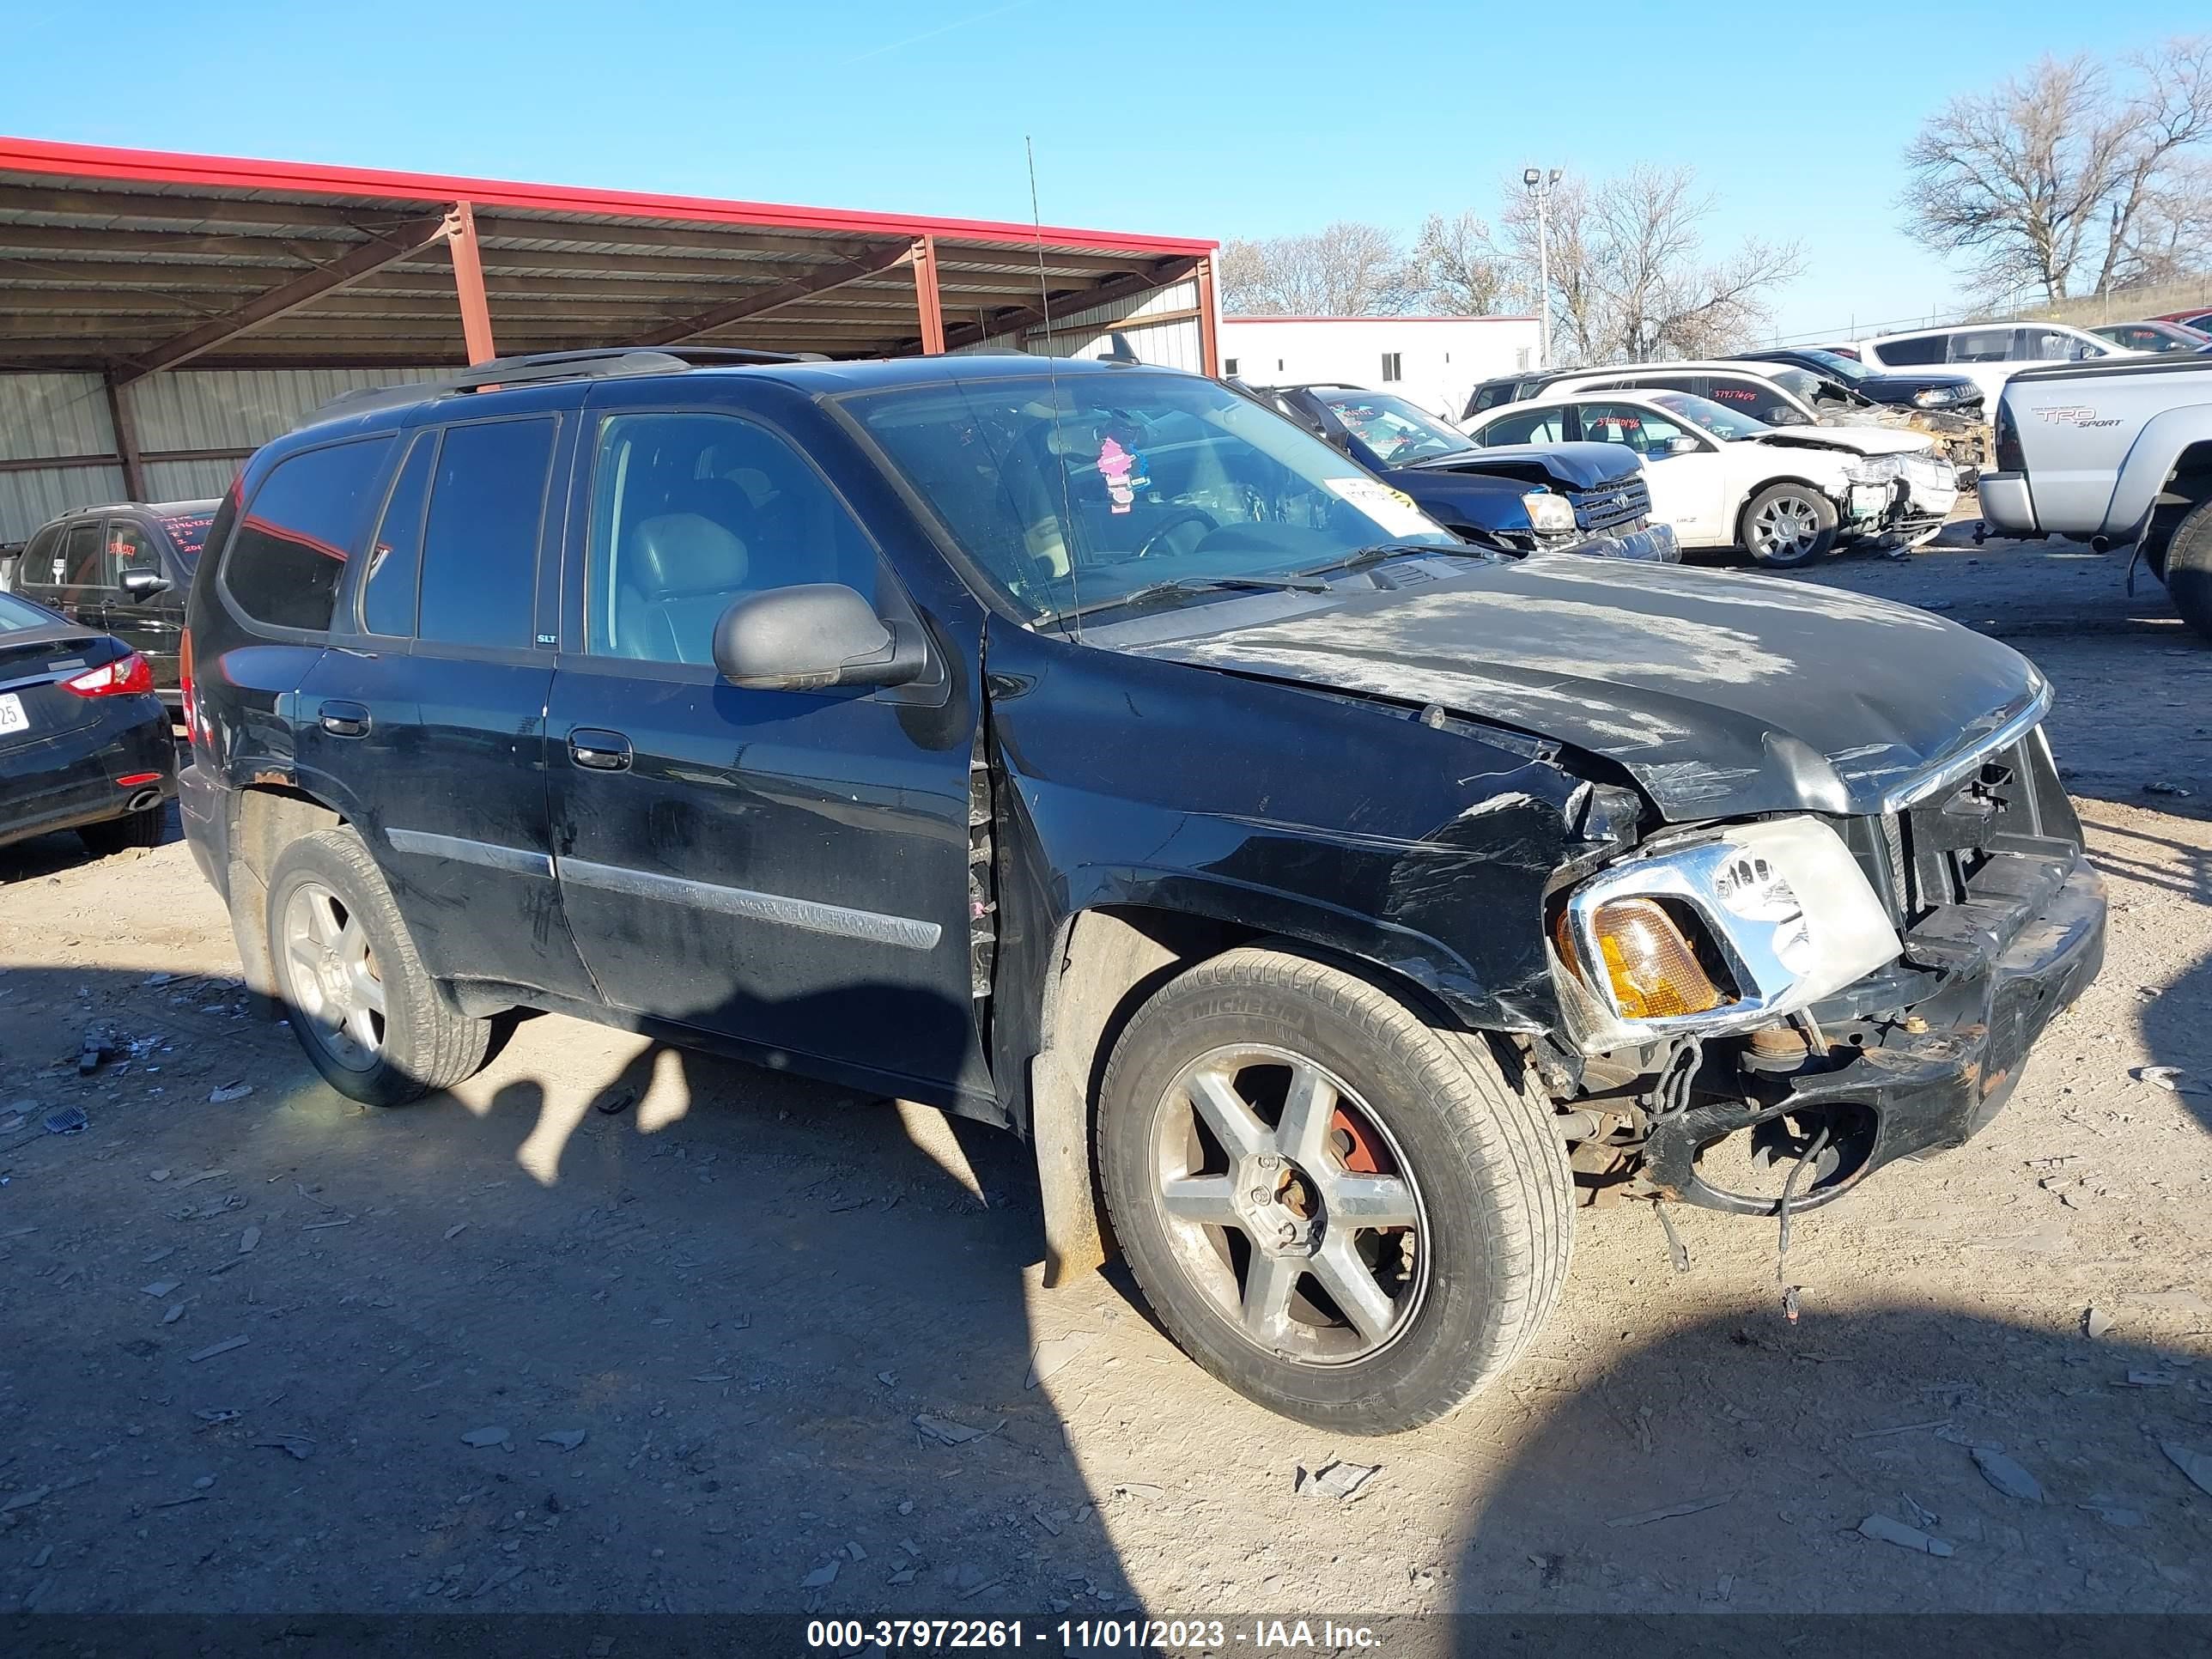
{"x": 1786, "y": 416}
{"x": 144, "y": 584}
{"x": 1683, "y": 446}
{"x": 813, "y": 636}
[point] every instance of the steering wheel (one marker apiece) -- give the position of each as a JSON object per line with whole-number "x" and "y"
{"x": 1179, "y": 517}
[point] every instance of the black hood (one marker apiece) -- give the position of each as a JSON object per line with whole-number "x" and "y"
{"x": 1721, "y": 694}
{"x": 1569, "y": 466}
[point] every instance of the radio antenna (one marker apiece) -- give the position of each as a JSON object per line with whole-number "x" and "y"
{"x": 1052, "y": 379}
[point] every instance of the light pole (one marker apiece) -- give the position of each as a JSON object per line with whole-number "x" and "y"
{"x": 1540, "y": 185}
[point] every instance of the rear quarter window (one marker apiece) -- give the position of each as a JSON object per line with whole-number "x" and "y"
{"x": 284, "y": 560}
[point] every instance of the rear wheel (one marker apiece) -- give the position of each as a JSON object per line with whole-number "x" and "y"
{"x": 1348, "y": 1216}
{"x": 2189, "y": 568}
{"x": 1788, "y": 525}
{"x": 375, "y": 1024}
{"x": 120, "y": 834}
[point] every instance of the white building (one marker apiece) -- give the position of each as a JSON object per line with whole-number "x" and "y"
{"x": 1433, "y": 360}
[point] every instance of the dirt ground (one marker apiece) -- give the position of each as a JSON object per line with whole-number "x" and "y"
{"x": 502, "y": 1350}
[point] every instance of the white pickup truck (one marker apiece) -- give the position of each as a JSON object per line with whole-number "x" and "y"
{"x": 2117, "y": 454}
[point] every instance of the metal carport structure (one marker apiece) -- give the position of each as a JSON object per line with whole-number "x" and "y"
{"x": 129, "y": 265}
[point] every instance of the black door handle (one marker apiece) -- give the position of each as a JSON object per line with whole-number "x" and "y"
{"x": 598, "y": 750}
{"x": 345, "y": 719}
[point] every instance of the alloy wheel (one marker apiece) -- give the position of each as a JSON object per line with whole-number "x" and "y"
{"x": 333, "y": 978}
{"x": 1787, "y": 527}
{"x": 1288, "y": 1203}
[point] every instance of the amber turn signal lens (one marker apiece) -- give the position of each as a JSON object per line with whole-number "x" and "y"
{"x": 1654, "y": 972}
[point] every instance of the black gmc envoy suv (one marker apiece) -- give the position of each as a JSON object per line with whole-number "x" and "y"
{"x": 1085, "y": 749}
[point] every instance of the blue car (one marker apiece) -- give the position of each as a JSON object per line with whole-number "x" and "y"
{"x": 1524, "y": 498}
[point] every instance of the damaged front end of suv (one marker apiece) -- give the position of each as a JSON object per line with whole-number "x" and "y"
{"x": 1817, "y": 885}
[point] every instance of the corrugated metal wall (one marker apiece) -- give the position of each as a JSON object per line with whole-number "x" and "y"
{"x": 1161, "y": 326}
{"x": 241, "y": 409}
{"x": 45, "y": 417}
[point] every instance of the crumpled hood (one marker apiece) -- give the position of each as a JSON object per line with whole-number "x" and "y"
{"x": 1868, "y": 440}
{"x": 1572, "y": 466}
{"x": 1721, "y": 694}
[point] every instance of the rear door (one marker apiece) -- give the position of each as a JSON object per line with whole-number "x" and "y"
{"x": 80, "y": 575}
{"x": 428, "y": 712}
{"x": 785, "y": 869}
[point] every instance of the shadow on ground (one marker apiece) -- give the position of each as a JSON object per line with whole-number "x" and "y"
{"x": 303, "y": 1355}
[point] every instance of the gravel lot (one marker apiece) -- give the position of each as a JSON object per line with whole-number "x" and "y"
{"x": 503, "y": 1350}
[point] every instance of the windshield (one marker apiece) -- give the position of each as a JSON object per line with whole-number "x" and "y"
{"x": 1726, "y": 424}
{"x": 188, "y": 534}
{"x": 1394, "y": 430}
{"x": 1071, "y": 492}
{"x": 1844, "y": 369}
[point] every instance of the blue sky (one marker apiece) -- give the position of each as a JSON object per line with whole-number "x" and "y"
{"x": 1222, "y": 119}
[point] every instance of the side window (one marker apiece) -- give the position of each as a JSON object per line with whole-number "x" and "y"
{"x": 129, "y": 547}
{"x": 395, "y": 552}
{"x": 1538, "y": 426}
{"x": 1905, "y": 354}
{"x": 1639, "y": 429}
{"x": 285, "y": 559}
{"x": 479, "y": 582}
{"x": 1756, "y": 398}
{"x": 1984, "y": 345}
{"x": 37, "y": 567}
{"x": 689, "y": 512}
{"x": 83, "y": 561}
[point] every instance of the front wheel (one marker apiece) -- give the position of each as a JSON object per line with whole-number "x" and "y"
{"x": 1348, "y": 1216}
{"x": 2189, "y": 568}
{"x": 377, "y": 1027}
{"x": 1788, "y": 525}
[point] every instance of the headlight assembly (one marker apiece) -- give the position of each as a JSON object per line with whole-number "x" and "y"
{"x": 1549, "y": 514}
{"x": 1723, "y": 933}
{"x": 1935, "y": 397}
{"x": 1873, "y": 468}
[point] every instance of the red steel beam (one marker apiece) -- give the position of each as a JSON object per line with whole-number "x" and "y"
{"x": 927, "y": 299}
{"x": 460, "y": 232}
{"x": 867, "y": 262}
{"x": 388, "y": 248}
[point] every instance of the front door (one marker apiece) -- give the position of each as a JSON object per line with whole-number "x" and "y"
{"x": 787, "y": 869}
{"x": 150, "y": 624}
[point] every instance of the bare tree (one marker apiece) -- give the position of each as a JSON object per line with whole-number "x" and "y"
{"x": 2046, "y": 182}
{"x": 1460, "y": 270}
{"x": 1347, "y": 270}
{"x": 1629, "y": 278}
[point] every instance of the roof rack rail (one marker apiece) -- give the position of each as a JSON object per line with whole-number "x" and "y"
{"x": 600, "y": 363}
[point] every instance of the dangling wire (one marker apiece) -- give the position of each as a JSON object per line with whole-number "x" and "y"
{"x": 1805, "y": 1162}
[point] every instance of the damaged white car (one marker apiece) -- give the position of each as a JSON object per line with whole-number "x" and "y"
{"x": 1721, "y": 478}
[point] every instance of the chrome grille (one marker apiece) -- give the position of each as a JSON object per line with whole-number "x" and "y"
{"x": 1616, "y": 501}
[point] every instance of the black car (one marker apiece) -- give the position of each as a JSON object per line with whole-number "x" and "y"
{"x": 124, "y": 568}
{"x": 1932, "y": 390}
{"x": 84, "y": 743}
{"x": 1591, "y": 498}
{"x": 1090, "y": 750}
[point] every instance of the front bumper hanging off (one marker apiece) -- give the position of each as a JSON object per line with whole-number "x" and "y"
{"x": 2025, "y": 945}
